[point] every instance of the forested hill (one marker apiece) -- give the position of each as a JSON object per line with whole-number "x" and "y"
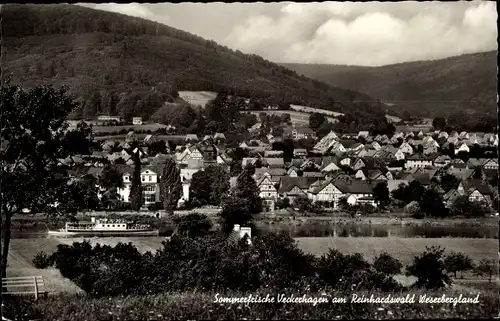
{"x": 120, "y": 64}
{"x": 437, "y": 87}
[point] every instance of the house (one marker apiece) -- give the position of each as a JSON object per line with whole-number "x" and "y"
{"x": 326, "y": 192}
{"x": 430, "y": 148}
{"x": 149, "y": 139}
{"x": 300, "y": 152}
{"x": 137, "y": 120}
{"x": 376, "y": 145}
{"x": 150, "y": 186}
{"x": 326, "y": 143}
{"x": 330, "y": 167}
{"x": 131, "y": 137}
{"x": 292, "y": 171}
{"x": 462, "y": 148}
{"x": 273, "y": 153}
{"x": 406, "y": 148}
{"x": 268, "y": 172}
{"x": 192, "y": 138}
{"x": 189, "y": 153}
{"x": 107, "y": 118}
{"x": 293, "y": 187}
{"x": 239, "y": 233}
{"x": 476, "y": 191}
{"x": 219, "y": 137}
{"x": 268, "y": 193}
{"x": 442, "y": 160}
{"x": 363, "y": 134}
{"x": 418, "y": 161}
{"x": 302, "y": 133}
{"x": 450, "y": 197}
{"x": 491, "y": 164}
{"x": 357, "y": 192}
{"x": 360, "y": 174}
{"x": 273, "y": 162}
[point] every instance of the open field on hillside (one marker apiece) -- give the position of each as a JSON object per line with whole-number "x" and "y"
{"x": 141, "y": 136}
{"x": 197, "y": 98}
{"x": 112, "y": 129}
{"x": 311, "y": 110}
{"x": 297, "y": 117}
{"x": 393, "y": 119}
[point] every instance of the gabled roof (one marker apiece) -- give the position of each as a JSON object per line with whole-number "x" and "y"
{"x": 354, "y": 187}
{"x": 313, "y": 174}
{"x": 288, "y": 183}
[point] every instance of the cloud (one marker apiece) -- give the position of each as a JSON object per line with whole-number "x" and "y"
{"x": 366, "y": 34}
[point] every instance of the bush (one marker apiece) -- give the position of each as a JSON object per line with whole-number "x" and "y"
{"x": 157, "y": 206}
{"x": 386, "y": 264}
{"x": 42, "y": 260}
{"x": 429, "y": 268}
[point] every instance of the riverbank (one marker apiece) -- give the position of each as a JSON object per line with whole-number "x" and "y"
{"x": 285, "y": 216}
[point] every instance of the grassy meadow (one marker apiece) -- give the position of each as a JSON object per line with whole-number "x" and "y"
{"x": 297, "y": 117}
{"x": 197, "y": 98}
{"x": 22, "y": 251}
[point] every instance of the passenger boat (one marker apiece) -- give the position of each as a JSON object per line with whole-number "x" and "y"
{"x": 104, "y": 227}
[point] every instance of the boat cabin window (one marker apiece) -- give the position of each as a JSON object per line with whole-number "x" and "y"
{"x": 113, "y": 225}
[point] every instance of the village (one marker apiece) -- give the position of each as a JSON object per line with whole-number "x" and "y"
{"x": 338, "y": 166}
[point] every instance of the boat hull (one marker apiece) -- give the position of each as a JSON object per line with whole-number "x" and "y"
{"x": 103, "y": 233}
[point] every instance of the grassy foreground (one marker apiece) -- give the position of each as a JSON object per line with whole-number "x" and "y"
{"x": 196, "y": 306}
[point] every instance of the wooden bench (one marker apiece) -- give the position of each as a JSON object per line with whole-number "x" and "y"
{"x": 24, "y": 285}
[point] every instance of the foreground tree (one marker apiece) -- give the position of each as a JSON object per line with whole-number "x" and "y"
{"x": 458, "y": 262}
{"x": 381, "y": 194}
{"x": 429, "y": 268}
{"x": 33, "y": 137}
{"x": 170, "y": 186}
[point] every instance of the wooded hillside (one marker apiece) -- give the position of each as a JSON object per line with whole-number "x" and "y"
{"x": 425, "y": 88}
{"x": 126, "y": 65}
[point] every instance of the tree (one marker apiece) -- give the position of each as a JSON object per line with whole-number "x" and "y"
{"x": 247, "y": 189}
{"x": 209, "y": 186}
{"x": 485, "y": 267}
{"x": 462, "y": 206}
{"x": 192, "y": 225}
{"x": 316, "y": 120}
{"x": 478, "y": 173}
{"x": 439, "y": 123}
{"x": 388, "y": 265}
{"x": 429, "y": 268}
{"x": 170, "y": 185}
{"x": 136, "y": 187}
{"x": 381, "y": 194}
{"x": 432, "y": 204}
{"x": 235, "y": 210}
{"x": 33, "y": 137}
{"x": 110, "y": 177}
{"x": 457, "y": 262}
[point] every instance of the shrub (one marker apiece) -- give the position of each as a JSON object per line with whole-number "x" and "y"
{"x": 42, "y": 260}
{"x": 386, "y": 264}
{"x": 429, "y": 268}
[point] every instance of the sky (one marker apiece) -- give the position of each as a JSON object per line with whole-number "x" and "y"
{"x": 343, "y": 33}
